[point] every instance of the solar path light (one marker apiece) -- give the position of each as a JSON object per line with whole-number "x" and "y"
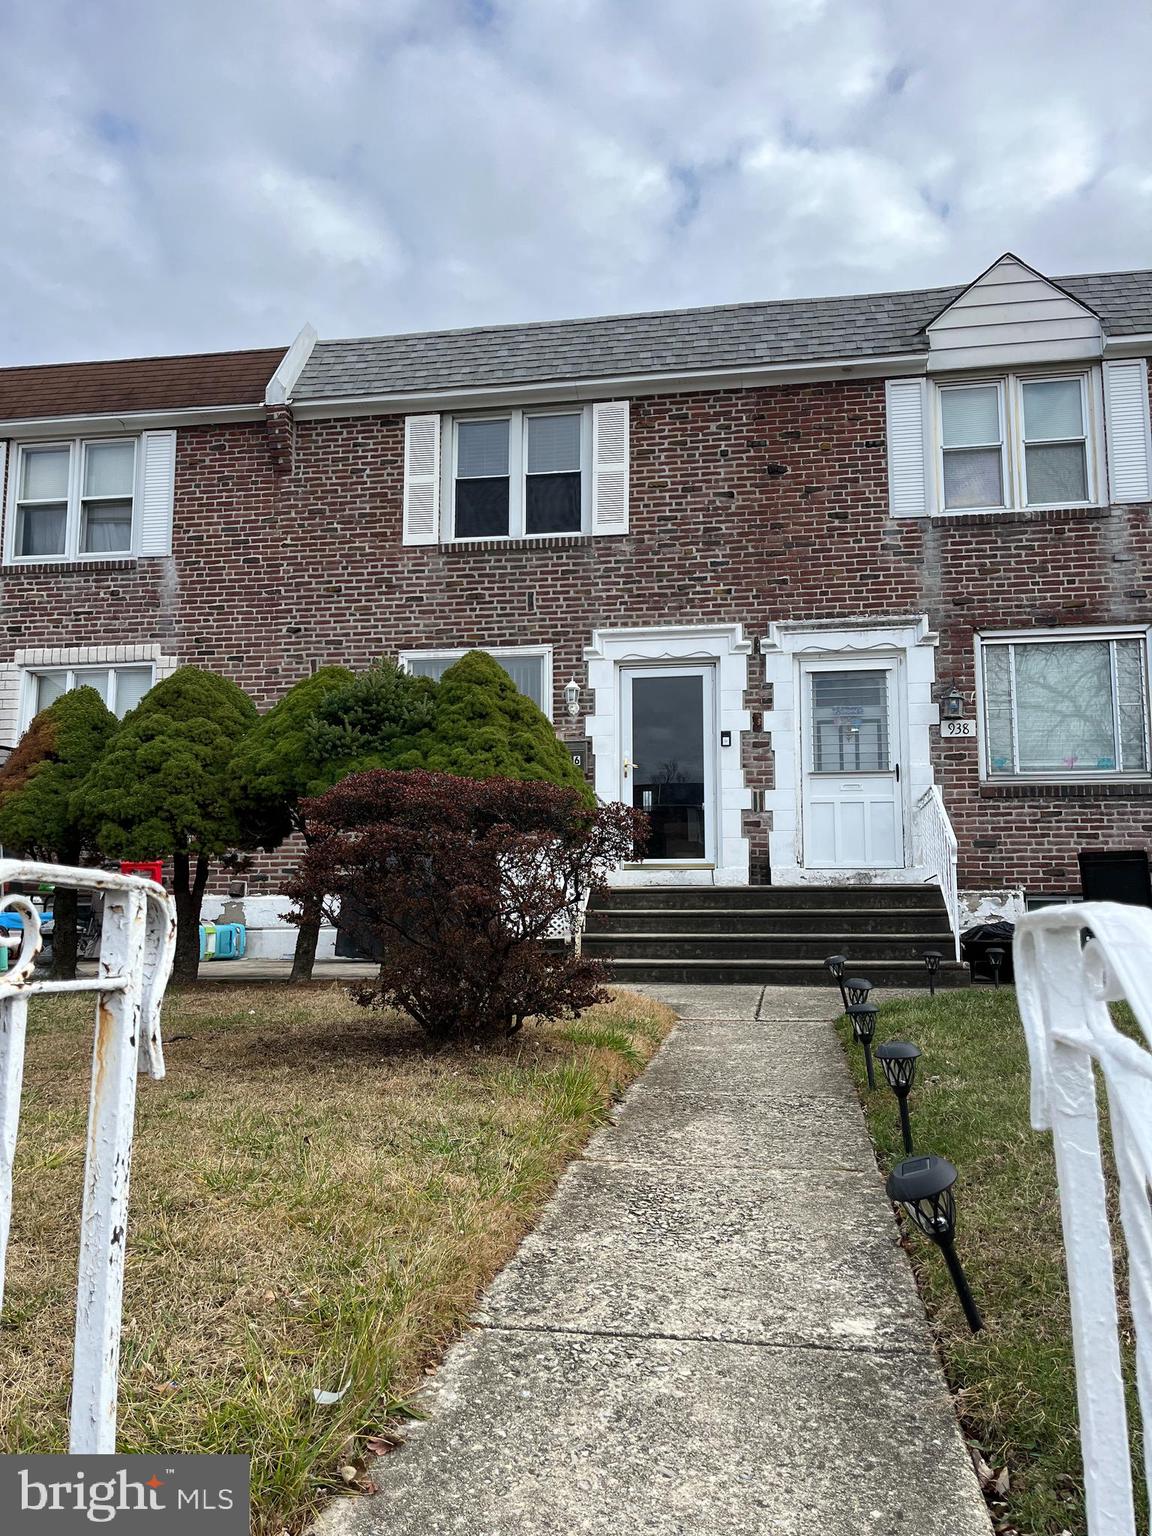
{"x": 834, "y": 965}
{"x": 898, "y": 1058}
{"x": 995, "y": 957}
{"x": 857, "y": 990}
{"x": 932, "y": 958}
{"x": 923, "y": 1186}
{"x": 863, "y": 1016}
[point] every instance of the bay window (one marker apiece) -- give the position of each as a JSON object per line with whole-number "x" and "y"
{"x": 1016, "y": 441}
{"x": 523, "y": 474}
{"x": 73, "y": 500}
{"x": 1069, "y": 706}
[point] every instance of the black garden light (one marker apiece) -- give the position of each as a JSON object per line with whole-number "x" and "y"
{"x": 856, "y": 990}
{"x": 923, "y": 1186}
{"x": 898, "y": 1059}
{"x": 835, "y": 967}
{"x": 863, "y": 1016}
{"x": 932, "y": 959}
{"x": 995, "y": 957}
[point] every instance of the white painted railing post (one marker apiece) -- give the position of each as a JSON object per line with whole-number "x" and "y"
{"x": 1064, "y": 990}
{"x": 934, "y": 848}
{"x": 137, "y": 948}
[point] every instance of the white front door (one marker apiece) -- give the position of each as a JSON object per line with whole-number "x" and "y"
{"x": 853, "y": 802}
{"x": 667, "y": 766}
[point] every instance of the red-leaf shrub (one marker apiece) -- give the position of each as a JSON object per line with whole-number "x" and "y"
{"x": 457, "y": 883}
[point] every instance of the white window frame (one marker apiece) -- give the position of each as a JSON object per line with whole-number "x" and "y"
{"x": 495, "y": 651}
{"x": 71, "y": 553}
{"x": 1013, "y": 461}
{"x": 1067, "y": 636}
{"x": 517, "y": 470}
{"x": 30, "y": 672}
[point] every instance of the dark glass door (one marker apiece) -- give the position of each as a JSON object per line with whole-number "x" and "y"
{"x": 666, "y": 769}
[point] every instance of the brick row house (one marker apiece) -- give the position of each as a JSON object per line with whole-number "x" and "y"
{"x": 847, "y": 593}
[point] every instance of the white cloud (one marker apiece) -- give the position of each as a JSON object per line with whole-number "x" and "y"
{"x": 181, "y": 177}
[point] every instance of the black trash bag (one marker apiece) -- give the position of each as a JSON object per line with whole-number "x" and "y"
{"x": 977, "y": 941}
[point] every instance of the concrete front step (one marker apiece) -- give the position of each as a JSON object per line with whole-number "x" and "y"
{"x": 756, "y": 897}
{"x": 769, "y": 921}
{"x": 778, "y": 973}
{"x": 863, "y": 948}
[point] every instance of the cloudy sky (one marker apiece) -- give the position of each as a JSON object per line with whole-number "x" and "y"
{"x": 198, "y": 174}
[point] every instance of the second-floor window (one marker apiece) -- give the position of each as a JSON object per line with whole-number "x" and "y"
{"x": 74, "y": 500}
{"x": 1016, "y": 442}
{"x": 520, "y": 474}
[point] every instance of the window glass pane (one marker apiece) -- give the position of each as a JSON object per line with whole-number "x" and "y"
{"x": 972, "y": 478}
{"x": 998, "y": 708}
{"x": 1056, "y": 472}
{"x": 970, "y": 415}
{"x": 481, "y": 509}
{"x": 553, "y": 444}
{"x": 45, "y": 474}
{"x": 48, "y": 687}
{"x": 92, "y": 677}
{"x": 109, "y": 469}
{"x": 40, "y": 530}
{"x": 1064, "y": 706}
{"x": 481, "y": 448}
{"x": 1131, "y": 695}
{"x": 1053, "y": 408}
{"x": 132, "y": 683}
{"x": 552, "y": 504}
{"x": 429, "y": 666}
{"x": 106, "y": 526}
{"x": 849, "y": 721}
{"x": 527, "y": 672}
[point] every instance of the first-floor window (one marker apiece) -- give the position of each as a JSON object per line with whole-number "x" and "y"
{"x": 522, "y": 474}
{"x": 121, "y": 688}
{"x": 1075, "y": 706}
{"x": 529, "y": 667}
{"x": 73, "y": 500}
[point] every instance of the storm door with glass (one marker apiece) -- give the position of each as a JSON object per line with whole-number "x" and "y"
{"x": 667, "y": 767}
{"x": 853, "y": 802}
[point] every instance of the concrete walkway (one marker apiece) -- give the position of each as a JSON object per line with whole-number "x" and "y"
{"x": 712, "y": 1329}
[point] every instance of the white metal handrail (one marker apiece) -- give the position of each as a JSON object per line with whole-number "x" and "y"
{"x": 934, "y": 848}
{"x": 1064, "y": 988}
{"x": 137, "y": 946}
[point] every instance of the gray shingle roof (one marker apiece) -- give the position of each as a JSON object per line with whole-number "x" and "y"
{"x": 724, "y": 336}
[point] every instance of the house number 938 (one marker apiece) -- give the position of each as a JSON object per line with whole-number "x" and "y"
{"x": 957, "y": 730}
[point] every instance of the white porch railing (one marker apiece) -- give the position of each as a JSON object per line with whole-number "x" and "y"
{"x": 934, "y": 849}
{"x": 137, "y": 946}
{"x": 1063, "y": 991}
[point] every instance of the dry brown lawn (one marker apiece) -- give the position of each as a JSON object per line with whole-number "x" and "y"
{"x": 316, "y": 1202}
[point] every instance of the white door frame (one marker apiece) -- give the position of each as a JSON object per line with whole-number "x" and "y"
{"x": 905, "y": 636}
{"x": 893, "y": 665}
{"x": 707, "y": 672}
{"x": 723, "y": 645}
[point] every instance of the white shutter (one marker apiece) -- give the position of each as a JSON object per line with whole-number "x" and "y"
{"x": 156, "y": 491}
{"x": 910, "y": 477}
{"x": 421, "y": 479}
{"x": 8, "y": 503}
{"x": 1126, "y": 423}
{"x": 610, "y": 467}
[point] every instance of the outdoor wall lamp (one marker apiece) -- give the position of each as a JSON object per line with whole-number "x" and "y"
{"x": 834, "y": 965}
{"x": 572, "y": 693}
{"x": 863, "y": 1016}
{"x": 952, "y": 703}
{"x": 923, "y": 1186}
{"x": 898, "y": 1059}
{"x": 857, "y": 990}
{"x": 932, "y": 958}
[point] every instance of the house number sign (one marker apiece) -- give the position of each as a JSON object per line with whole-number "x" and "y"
{"x": 957, "y": 730}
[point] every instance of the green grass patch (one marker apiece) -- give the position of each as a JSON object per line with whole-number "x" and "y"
{"x": 1015, "y": 1381}
{"x": 316, "y": 1201}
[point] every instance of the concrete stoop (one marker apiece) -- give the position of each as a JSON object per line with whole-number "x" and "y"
{"x": 713, "y": 1328}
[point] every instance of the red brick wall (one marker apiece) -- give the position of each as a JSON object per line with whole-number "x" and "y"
{"x": 746, "y": 506}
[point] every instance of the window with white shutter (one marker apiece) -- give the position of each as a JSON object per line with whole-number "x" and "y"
{"x": 90, "y": 498}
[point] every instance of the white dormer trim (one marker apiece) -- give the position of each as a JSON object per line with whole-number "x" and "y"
{"x": 291, "y": 366}
{"x": 1012, "y": 316}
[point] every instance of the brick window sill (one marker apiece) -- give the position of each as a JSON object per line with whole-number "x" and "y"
{"x": 61, "y": 567}
{"x": 1131, "y": 789}
{"x": 492, "y": 546}
{"x": 1024, "y": 515}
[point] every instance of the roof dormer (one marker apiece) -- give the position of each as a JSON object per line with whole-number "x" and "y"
{"x": 1011, "y": 315}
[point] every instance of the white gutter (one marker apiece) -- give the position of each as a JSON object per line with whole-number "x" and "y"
{"x": 898, "y": 365}
{"x": 130, "y": 421}
{"x": 282, "y": 382}
{"x": 1128, "y": 346}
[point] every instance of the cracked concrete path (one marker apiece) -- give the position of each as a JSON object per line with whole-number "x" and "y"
{"x": 711, "y": 1330}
